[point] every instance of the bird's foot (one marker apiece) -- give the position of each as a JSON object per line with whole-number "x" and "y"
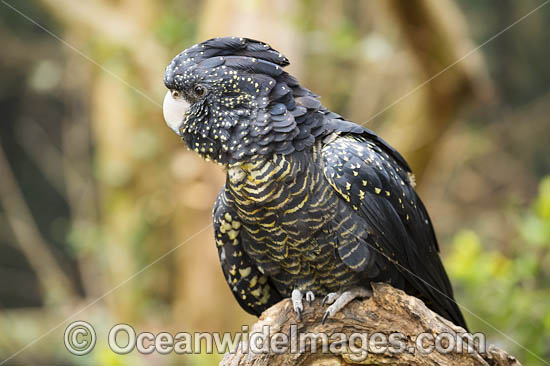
{"x": 297, "y": 301}
{"x": 337, "y": 300}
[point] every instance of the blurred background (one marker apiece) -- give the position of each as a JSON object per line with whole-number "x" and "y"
{"x": 104, "y": 213}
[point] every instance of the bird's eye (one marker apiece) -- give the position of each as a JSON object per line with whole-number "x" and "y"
{"x": 199, "y": 90}
{"x": 175, "y": 94}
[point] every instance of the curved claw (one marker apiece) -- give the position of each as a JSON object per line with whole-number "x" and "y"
{"x": 325, "y": 299}
{"x": 299, "y": 313}
{"x": 327, "y": 313}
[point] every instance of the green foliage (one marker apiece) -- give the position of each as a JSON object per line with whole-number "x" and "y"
{"x": 507, "y": 296}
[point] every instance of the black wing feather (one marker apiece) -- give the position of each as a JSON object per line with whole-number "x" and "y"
{"x": 374, "y": 179}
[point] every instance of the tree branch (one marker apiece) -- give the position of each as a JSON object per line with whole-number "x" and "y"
{"x": 388, "y": 311}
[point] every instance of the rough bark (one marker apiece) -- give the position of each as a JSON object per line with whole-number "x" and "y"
{"x": 388, "y": 311}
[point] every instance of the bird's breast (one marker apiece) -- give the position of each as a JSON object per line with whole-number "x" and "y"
{"x": 282, "y": 204}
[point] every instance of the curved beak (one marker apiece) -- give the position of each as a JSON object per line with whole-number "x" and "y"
{"x": 174, "y": 111}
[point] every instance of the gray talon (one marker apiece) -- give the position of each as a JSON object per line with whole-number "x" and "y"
{"x": 330, "y": 298}
{"x": 297, "y": 302}
{"x": 338, "y": 300}
{"x": 310, "y": 296}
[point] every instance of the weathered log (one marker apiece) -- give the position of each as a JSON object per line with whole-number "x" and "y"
{"x": 388, "y": 311}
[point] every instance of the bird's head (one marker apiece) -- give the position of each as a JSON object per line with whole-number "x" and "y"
{"x": 230, "y": 100}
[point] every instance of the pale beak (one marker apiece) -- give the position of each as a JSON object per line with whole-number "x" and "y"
{"x": 174, "y": 111}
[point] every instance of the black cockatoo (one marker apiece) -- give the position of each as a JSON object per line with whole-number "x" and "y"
{"x": 313, "y": 205}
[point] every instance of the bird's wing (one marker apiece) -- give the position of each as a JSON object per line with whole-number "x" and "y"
{"x": 252, "y": 289}
{"x": 375, "y": 181}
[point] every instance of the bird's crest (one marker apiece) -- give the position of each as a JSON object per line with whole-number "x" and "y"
{"x": 236, "y": 46}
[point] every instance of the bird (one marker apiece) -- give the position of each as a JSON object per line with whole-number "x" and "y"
{"x": 313, "y": 205}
